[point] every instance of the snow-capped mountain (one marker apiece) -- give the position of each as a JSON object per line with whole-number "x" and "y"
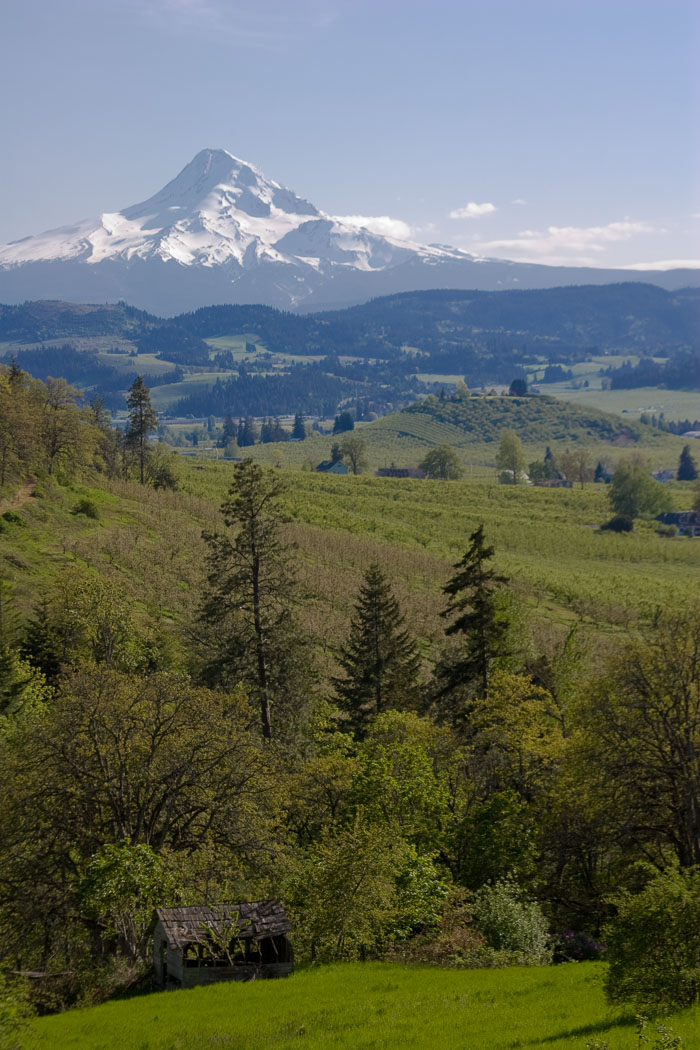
{"x": 222, "y": 232}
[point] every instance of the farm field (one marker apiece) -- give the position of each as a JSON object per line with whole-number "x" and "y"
{"x": 675, "y": 404}
{"x": 545, "y": 538}
{"x": 370, "y": 1005}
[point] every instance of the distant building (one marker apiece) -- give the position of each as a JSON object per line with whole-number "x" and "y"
{"x": 691, "y": 434}
{"x": 329, "y": 467}
{"x": 231, "y": 942}
{"x": 687, "y": 522}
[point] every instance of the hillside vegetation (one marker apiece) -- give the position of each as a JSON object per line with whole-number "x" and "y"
{"x": 415, "y": 712}
{"x": 373, "y": 355}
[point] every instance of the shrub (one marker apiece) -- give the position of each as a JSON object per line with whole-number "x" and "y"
{"x": 86, "y": 507}
{"x": 511, "y": 922}
{"x": 620, "y": 523}
{"x": 666, "y": 530}
{"x": 14, "y": 518}
{"x": 653, "y": 943}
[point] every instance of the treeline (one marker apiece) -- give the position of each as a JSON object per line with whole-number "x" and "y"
{"x": 681, "y": 371}
{"x": 488, "y": 803}
{"x": 47, "y": 429}
{"x": 306, "y": 387}
{"x": 83, "y": 368}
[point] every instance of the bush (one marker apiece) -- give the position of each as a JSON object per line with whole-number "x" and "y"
{"x": 14, "y": 518}
{"x": 666, "y": 530}
{"x": 620, "y": 523}
{"x": 86, "y": 507}
{"x": 653, "y": 943}
{"x": 575, "y": 946}
{"x": 510, "y": 922}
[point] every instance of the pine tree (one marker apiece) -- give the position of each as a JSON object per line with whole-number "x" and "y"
{"x": 472, "y": 592}
{"x": 299, "y": 430}
{"x": 687, "y": 467}
{"x": 142, "y": 422}
{"x": 251, "y": 590}
{"x": 379, "y": 658}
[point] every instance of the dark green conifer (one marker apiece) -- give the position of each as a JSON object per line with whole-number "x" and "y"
{"x": 473, "y": 602}
{"x": 687, "y": 467}
{"x": 380, "y": 659}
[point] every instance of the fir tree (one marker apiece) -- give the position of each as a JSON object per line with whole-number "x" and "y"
{"x": 142, "y": 422}
{"x": 687, "y": 467}
{"x": 251, "y": 590}
{"x": 472, "y": 592}
{"x": 299, "y": 430}
{"x": 379, "y": 658}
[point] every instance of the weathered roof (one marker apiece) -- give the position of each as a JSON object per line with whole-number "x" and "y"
{"x": 258, "y": 919}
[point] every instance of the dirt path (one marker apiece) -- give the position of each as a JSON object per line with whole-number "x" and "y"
{"x": 20, "y": 498}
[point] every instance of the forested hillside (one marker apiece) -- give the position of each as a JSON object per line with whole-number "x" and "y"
{"x": 255, "y": 360}
{"x": 431, "y": 717}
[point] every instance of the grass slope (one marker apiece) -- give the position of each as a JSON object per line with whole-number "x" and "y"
{"x": 375, "y": 1005}
{"x": 149, "y": 543}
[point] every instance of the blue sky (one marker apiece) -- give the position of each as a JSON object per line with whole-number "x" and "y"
{"x": 547, "y": 130}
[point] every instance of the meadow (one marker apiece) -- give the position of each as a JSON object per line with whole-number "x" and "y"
{"x": 366, "y": 1005}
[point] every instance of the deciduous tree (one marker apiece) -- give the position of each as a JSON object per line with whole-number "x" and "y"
{"x": 442, "y": 463}
{"x": 510, "y": 458}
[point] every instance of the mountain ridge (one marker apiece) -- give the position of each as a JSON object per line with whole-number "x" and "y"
{"x": 222, "y": 231}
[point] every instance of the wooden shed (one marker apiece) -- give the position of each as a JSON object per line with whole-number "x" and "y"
{"x": 229, "y": 942}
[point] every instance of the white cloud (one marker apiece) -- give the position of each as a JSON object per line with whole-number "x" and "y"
{"x": 667, "y": 264}
{"x": 384, "y": 225}
{"x": 472, "y": 210}
{"x": 518, "y": 200}
{"x": 566, "y": 245}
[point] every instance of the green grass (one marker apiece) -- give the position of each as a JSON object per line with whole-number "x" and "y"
{"x": 371, "y": 1005}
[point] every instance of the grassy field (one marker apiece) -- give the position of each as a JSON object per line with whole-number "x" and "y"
{"x": 371, "y": 1005}
{"x": 545, "y": 538}
{"x": 675, "y": 404}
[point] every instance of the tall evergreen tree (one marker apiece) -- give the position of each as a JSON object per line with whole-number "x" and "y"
{"x": 251, "y": 590}
{"x": 299, "y": 430}
{"x": 687, "y": 467}
{"x": 472, "y": 592}
{"x": 379, "y": 658}
{"x": 142, "y": 422}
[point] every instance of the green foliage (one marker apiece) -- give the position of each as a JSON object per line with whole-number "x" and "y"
{"x": 123, "y": 884}
{"x": 13, "y": 518}
{"x": 142, "y": 423}
{"x": 15, "y": 1012}
{"x": 633, "y": 493}
{"x": 471, "y": 592}
{"x": 653, "y": 942}
{"x": 88, "y": 508}
{"x": 251, "y": 588}
{"x": 511, "y": 922}
{"x": 353, "y": 449}
{"x": 687, "y": 467}
{"x": 510, "y": 457}
{"x": 379, "y": 657}
{"x": 442, "y": 462}
{"x": 620, "y": 523}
